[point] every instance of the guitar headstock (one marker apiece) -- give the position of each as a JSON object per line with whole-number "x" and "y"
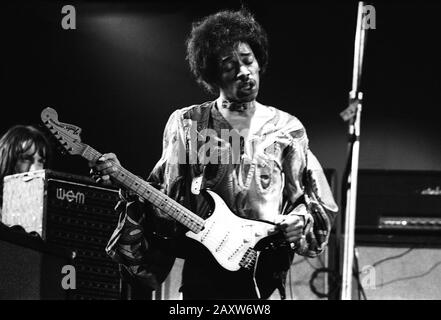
{"x": 67, "y": 134}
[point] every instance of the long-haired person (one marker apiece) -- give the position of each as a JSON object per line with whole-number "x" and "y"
{"x": 23, "y": 148}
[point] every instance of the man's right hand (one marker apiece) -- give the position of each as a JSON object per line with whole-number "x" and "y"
{"x": 104, "y": 167}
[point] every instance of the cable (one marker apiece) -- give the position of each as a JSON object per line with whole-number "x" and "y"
{"x": 298, "y": 262}
{"x": 411, "y": 277}
{"x": 314, "y": 275}
{"x": 290, "y": 276}
{"x": 356, "y": 272}
{"x": 312, "y": 266}
{"x": 290, "y": 284}
{"x": 334, "y": 277}
{"x": 392, "y": 257}
{"x": 333, "y": 282}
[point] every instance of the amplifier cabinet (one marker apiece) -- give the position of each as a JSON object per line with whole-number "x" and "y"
{"x": 399, "y": 201}
{"x": 30, "y": 268}
{"x": 72, "y": 212}
{"x": 399, "y": 272}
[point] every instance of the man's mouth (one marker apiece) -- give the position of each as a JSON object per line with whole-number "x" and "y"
{"x": 249, "y": 85}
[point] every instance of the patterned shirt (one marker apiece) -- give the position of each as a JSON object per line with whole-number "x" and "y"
{"x": 259, "y": 176}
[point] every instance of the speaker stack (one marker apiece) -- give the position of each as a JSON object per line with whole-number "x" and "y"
{"x": 71, "y": 213}
{"x": 29, "y": 268}
{"x": 397, "y": 234}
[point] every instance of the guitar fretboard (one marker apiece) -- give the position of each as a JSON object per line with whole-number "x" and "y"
{"x": 143, "y": 189}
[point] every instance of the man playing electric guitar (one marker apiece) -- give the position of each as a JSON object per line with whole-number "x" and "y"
{"x": 255, "y": 157}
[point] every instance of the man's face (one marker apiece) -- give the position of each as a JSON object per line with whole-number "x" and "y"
{"x": 239, "y": 74}
{"x": 29, "y": 161}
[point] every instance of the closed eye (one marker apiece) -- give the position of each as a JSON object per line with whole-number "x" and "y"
{"x": 248, "y": 60}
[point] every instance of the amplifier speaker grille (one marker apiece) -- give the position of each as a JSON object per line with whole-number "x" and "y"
{"x": 76, "y": 214}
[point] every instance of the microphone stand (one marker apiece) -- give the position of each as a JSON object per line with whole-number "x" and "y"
{"x": 352, "y": 115}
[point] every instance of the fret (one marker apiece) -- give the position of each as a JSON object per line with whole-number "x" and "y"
{"x": 143, "y": 189}
{"x": 72, "y": 143}
{"x": 186, "y": 219}
{"x": 91, "y": 154}
{"x": 176, "y": 210}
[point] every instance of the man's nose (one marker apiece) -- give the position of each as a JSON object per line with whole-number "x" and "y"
{"x": 244, "y": 73}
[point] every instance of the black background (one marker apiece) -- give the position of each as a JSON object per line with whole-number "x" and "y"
{"x": 122, "y": 72}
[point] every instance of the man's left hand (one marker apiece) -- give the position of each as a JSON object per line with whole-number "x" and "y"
{"x": 292, "y": 224}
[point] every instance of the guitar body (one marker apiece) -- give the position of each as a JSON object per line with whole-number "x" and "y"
{"x": 237, "y": 243}
{"x": 232, "y": 240}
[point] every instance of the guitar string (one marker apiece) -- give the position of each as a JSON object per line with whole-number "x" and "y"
{"x": 158, "y": 198}
{"x": 156, "y": 195}
{"x": 229, "y": 249}
{"x": 195, "y": 223}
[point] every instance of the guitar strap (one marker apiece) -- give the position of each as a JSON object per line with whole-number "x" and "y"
{"x": 198, "y": 115}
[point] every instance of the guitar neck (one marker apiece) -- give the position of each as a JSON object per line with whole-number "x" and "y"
{"x": 143, "y": 189}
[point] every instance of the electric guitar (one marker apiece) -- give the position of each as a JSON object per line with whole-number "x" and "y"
{"x": 233, "y": 241}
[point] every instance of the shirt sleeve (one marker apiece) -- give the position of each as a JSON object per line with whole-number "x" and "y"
{"x": 136, "y": 243}
{"x": 306, "y": 183}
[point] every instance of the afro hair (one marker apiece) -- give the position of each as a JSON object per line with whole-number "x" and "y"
{"x": 218, "y": 32}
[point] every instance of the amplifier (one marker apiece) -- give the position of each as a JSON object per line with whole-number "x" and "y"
{"x": 30, "y": 269}
{"x": 399, "y": 201}
{"x": 72, "y": 212}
